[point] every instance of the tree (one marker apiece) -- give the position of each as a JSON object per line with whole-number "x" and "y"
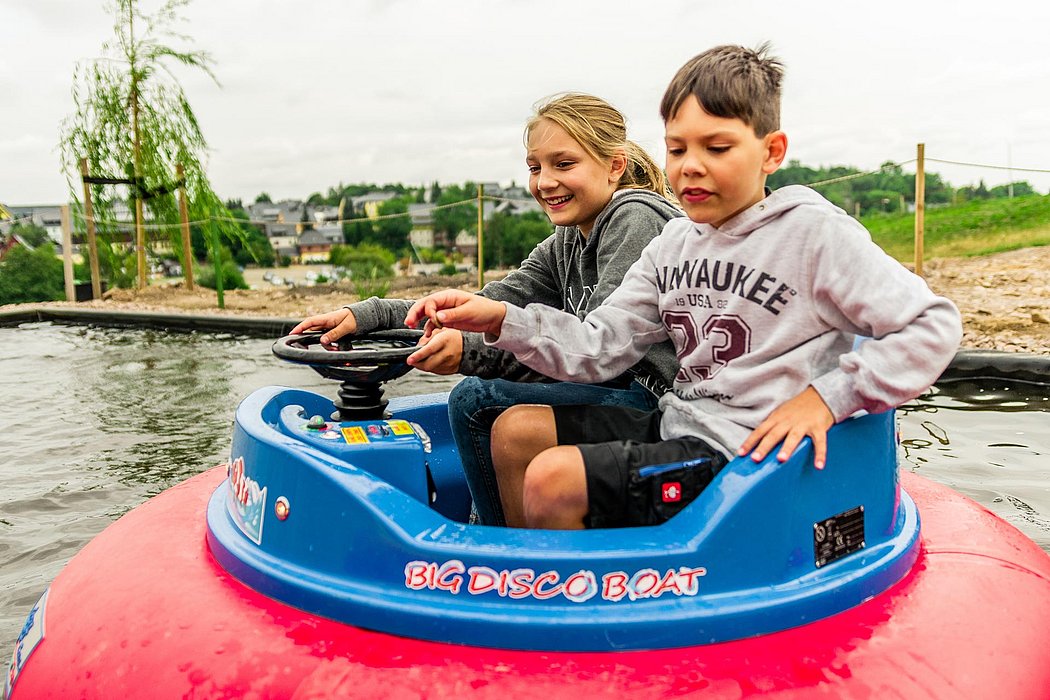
{"x": 132, "y": 120}
{"x": 509, "y": 239}
{"x": 392, "y": 233}
{"x": 450, "y": 220}
{"x": 263, "y": 198}
{"x": 31, "y": 275}
{"x": 357, "y": 229}
{"x": 30, "y": 233}
{"x": 253, "y": 248}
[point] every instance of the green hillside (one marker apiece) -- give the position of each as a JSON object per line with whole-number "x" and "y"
{"x": 978, "y": 227}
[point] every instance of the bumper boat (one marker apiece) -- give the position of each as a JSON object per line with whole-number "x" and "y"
{"x": 332, "y": 557}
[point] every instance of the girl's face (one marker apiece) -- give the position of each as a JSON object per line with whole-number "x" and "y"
{"x": 570, "y": 184}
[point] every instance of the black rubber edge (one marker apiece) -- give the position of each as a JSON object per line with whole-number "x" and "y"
{"x": 259, "y": 326}
{"x": 967, "y": 364}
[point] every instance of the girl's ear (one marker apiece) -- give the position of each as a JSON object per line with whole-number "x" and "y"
{"x": 776, "y": 151}
{"x": 617, "y": 166}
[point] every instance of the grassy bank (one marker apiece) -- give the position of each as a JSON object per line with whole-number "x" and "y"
{"x": 979, "y": 227}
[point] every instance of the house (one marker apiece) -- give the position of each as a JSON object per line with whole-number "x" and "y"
{"x": 422, "y": 234}
{"x": 368, "y": 204}
{"x": 53, "y": 218}
{"x": 9, "y": 243}
{"x": 315, "y": 245}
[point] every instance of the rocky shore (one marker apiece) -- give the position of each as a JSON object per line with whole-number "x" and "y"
{"x": 1004, "y": 298}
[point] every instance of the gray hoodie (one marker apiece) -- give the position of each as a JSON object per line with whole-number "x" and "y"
{"x": 758, "y": 309}
{"x": 567, "y": 272}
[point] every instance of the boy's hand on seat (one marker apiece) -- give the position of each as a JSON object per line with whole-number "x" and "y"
{"x": 458, "y": 309}
{"x": 338, "y": 323}
{"x": 441, "y": 351}
{"x": 806, "y": 414}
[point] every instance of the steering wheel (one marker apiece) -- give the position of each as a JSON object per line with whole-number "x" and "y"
{"x": 362, "y": 363}
{"x": 371, "y": 358}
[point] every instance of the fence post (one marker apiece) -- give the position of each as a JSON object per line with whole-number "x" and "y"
{"x": 184, "y": 215}
{"x": 920, "y": 205}
{"x": 67, "y": 252}
{"x": 481, "y": 236}
{"x": 89, "y": 219}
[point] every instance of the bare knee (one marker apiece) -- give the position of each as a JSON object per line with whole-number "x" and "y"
{"x": 522, "y": 432}
{"x": 555, "y": 490}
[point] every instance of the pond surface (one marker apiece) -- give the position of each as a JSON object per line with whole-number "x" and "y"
{"x": 94, "y": 421}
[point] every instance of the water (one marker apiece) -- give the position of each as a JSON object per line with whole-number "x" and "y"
{"x": 94, "y": 421}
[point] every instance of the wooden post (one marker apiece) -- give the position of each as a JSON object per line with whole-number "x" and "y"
{"x": 920, "y": 206}
{"x": 481, "y": 236}
{"x": 70, "y": 287}
{"x": 140, "y": 244}
{"x": 67, "y": 253}
{"x": 89, "y": 219}
{"x": 140, "y": 234}
{"x": 184, "y": 216}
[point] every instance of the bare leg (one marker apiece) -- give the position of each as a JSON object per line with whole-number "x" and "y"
{"x": 519, "y": 434}
{"x": 555, "y": 490}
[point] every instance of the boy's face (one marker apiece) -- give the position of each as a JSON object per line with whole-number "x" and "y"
{"x": 718, "y": 166}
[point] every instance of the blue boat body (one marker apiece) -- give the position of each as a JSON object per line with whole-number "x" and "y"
{"x": 374, "y": 534}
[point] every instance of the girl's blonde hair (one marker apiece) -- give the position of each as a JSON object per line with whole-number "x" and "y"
{"x": 601, "y": 130}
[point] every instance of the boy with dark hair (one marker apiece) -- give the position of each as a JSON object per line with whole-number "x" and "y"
{"x": 762, "y": 294}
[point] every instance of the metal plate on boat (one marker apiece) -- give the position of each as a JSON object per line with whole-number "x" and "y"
{"x": 837, "y": 536}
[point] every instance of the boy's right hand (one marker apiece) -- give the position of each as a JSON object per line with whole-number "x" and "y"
{"x": 457, "y": 309}
{"x": 338, "y": 323}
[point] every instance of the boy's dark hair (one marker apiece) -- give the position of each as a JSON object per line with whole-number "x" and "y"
{"x": 733, "y": 82}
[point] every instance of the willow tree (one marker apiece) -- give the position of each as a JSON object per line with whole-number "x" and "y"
{"x": 132, "y": 121}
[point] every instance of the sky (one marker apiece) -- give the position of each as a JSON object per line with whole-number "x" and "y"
{"x": 314, "y": 94}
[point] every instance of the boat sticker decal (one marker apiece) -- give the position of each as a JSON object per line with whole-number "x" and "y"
{"x": 28, "y": 639}
{"x": 246, "y": 502}
{"x": 455, "y": 578}
{"x": 838, "y": 536}
{"x": 355, "y": 435}
{"x": 400, "y": 427}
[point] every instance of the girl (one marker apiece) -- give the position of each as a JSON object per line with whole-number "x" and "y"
{"x": 607, "y": 199}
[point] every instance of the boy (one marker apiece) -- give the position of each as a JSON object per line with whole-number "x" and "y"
{"x": 762, "y": 295}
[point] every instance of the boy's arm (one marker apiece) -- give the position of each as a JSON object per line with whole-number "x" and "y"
{"x": 912, "y": 334}
{"x": 556, "y": 343}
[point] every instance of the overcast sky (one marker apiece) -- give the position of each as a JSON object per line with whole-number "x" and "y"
{"x": 327, "y": 91}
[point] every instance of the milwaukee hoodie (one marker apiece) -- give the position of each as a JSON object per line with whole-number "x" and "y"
{"x": 758, "y": 309}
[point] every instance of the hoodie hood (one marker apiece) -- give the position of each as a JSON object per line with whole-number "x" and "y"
{"x": 771, "y": 207}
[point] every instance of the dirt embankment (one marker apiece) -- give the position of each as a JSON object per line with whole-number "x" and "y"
{"x": 1004, "y": 298}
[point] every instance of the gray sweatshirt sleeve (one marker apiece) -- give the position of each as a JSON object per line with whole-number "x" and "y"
{"x": 600, "y": 347}
{"x": 534, "y": 281}
{"x": 379, "y": 314}
{"x": 913, "y": 333}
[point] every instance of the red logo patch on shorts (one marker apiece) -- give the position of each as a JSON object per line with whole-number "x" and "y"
{"x": 672, "y": 491}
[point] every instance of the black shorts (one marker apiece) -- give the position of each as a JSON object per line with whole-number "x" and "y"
{"x": 634, "y": 477}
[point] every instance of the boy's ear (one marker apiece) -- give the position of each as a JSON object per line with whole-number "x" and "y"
{"x": 776, "y": 151}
